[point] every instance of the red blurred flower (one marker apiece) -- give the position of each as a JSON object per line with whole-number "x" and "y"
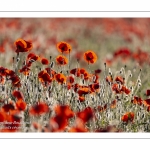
{"x": 86, "y": 114}
{"x": 21, "y": 105}
{"x": 146, "y": 102}
{"x": 39, "y": 109}
{"x": 137, "y": 100}
{"x": 148, "y": 92}
{"x": 64, "y": 111}
{"x": 18, "y": 95}
{"x": 129, "y": 116}
{"x": 2, "y": 116}
{"x": 44, "y": 61}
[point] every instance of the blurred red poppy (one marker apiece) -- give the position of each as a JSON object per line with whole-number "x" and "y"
{"x": 137, "y": 100}
{"x": 18, "y": 95}
{"x": 2, "y": 116}
{"x": 39, "y": 109}
{"x": 44, "y": 61}
{"x": 128, "y": 117}
{"x": 64, "y": 111}
{"x": 146, "y": 102}
{"x": 58, "y": 123}
{"x": 21, "y": 105}
{"x": 86, "y": 114}
{"x": 8, "y": 107}
{"x": 148, "y": 92}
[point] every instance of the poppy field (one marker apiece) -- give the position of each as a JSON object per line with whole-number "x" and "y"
{"x": 74, "y": 75}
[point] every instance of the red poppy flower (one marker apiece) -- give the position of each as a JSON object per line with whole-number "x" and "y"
{"x": 25, "y": 70}
{"x": 137, "y": 100}
{"x": 146, "y": 102}
{"x": 81, "y": 98}
{"x": 18, "y": 95}
{"x": 12, "y": 122}
{"x": 95, "y": 87}
{"x": 102, "y": 108}
{"x": 124, "y": 53}
{"x": 98, "y": 71}
{"x": 9, "y": 72}
{"x": 44, "y": 76}
{"x": 70, "y": 79}
{"x": 32, "y": 57}
{"x": 75, "y": 72}
{"x": 21, "y": 105}
{"x": 87, "y": 76}
{"x": 51, "y": 72}
{"x": 86, "y": 114}
{"x": 90, "y": 57}
{"x": 58, "y": 123}
{"x": 8, "y": 107}
{"x": 60, "y": 78}
{"x": 2, "y": 116}
{"x": 116, "y": 88}
{"x": 119, "y": 79}
{"x": 125, "y": 90}
{"x": 15, "y": 81}
{"x": 61, "y": 60}
{"x": 83, "y": 91}
{"x": 129, "y": 116}
{"x": 63, "y": 47}
{"x": 44, "y": 61}
{"x": 64, "y": 111}
{"x": 113, "y": 104}
{"x": 39, "y": 109}
{"x": 148, "y": 92}
{"x": 22, "y": 45}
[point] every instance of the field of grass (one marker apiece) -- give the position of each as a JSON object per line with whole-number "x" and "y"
{"x": 74, "y": 75}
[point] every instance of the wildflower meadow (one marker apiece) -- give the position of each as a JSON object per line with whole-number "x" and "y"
{"x": 75, "y": 75}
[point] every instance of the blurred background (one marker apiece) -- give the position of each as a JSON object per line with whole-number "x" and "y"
{"x": 107, "y": 37}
